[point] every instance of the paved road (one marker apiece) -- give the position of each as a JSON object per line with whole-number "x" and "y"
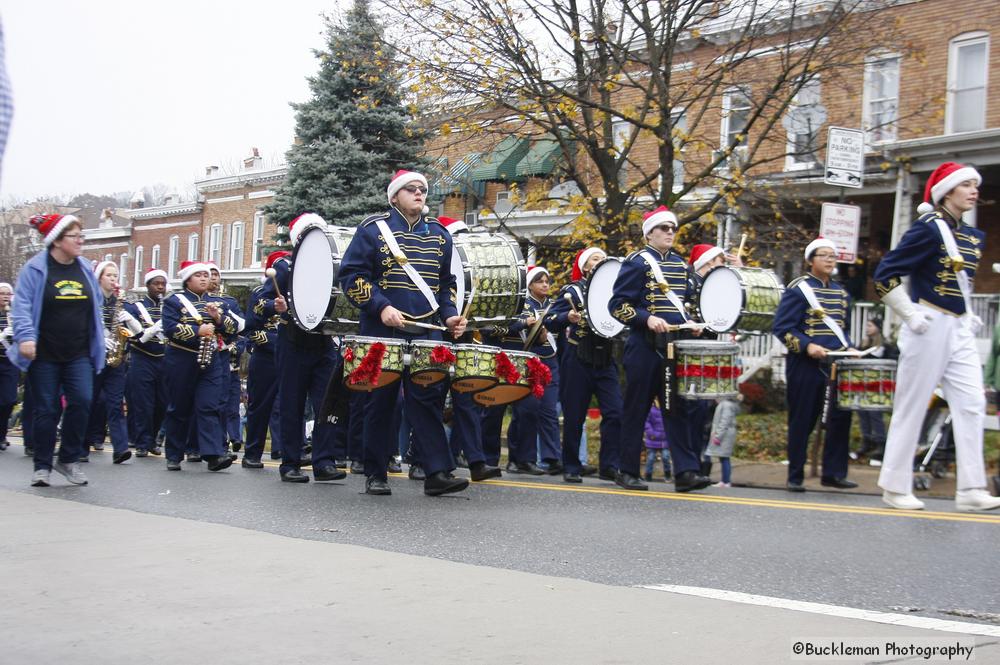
{"x": 821, "y": 547}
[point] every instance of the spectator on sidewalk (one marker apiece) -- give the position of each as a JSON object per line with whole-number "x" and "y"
{"x": 656, "y": 443}
{"x": 723, "y": 438}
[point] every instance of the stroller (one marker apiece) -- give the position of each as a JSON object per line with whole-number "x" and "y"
{"x": 936, "y": 450}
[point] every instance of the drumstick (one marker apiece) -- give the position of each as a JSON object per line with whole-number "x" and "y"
{"x": 420, "y": 324}
{"x": 743, "y": 242}
{"x": 271, "y": 272}
{"x": 569, "y": 299}
{"x": 468, "y": 305}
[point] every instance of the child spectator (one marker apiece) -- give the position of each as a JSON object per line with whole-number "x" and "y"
{"x": 656, "y": 442}
{"x": 723, "y": 437}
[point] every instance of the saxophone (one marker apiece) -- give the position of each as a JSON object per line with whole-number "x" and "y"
{"x": 119, "y": 334}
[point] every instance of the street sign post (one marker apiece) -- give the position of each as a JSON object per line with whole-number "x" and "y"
{"x": 841, "y": 224}
{"x": 845, "y": 157}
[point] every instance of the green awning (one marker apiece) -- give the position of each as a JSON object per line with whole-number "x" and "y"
{"x": 540, "y": 160}
{"x": 502, "y": 162}
{"x": 457, "y": 180}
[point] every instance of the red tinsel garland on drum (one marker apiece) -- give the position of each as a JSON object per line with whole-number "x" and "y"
{"x": 710, "y": 371}
{"x": 442, "y": 355}
{"x": 370, "y": 368}
{"x": 348, "y": 354}
{"x": 539, "y": 376}
{"x": 885, "y": 386}
{"x": 506, "y": 369}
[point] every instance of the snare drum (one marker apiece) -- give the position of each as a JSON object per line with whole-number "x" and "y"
{"x": 744, "y": 299}
{"x": 424, "y": 369}
{"x": 865, "y": 384}
{"x": 489, "y": 270}
{"x": 707, "y": 369}
{"x": 390, "y": 368}
{"x": 316, "y": 302}
{"x": 596, "y": 296}
{"x": 475, "y": 367}
{"x": 504, "y": 392}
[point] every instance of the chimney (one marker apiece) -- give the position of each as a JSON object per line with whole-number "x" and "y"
{"x": 170, "y": 199}
{"x": 211, "y": 171}
{"x": 253, "y": 162}
{"x": 137, "y": 201}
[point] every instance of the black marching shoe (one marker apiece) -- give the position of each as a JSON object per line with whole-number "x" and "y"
{"x": 461, "y": 462}
{"x": 306, "y": 459}
{"x": 441, "y": 482}
{"x": 248, "y": 463}
{"x": 377, "y": 486}
{"x": 173, "y": 466}
{"x": 275, "y": 454}
{"x": 192, "y": 457}
{"x": 417, "y": 472}
{"x": 98, "y": 445}
{"x": 555, "y": 467}
{"x": 795, "y": 487}
{"x": 156, "y": 450}
{"x": 219, "y": 463}
{"x": 529, "y": 468}
{"x": 690, "y": 481}
{"x": 483, "y": 471}
{"x": 358, "y": 468}
{"x": 294, "y": 476}
{"x": 341, "y": 464}
{"x": 4, "y": 445}
{"x": 141, "y": 453}
{"x": 121, "y": 457}
{"x": 236, "y": 445}
{"x": 587, "y": 470}
{"x": 629, "y": 482}
{"x": 608, "y": 473}
{"x": 572, "y": 477}
{"x": 395, "y": 466}
{"x": 329, "y": 472}
{"x": 839, "y": 483}
{"x": 29, "y": 451}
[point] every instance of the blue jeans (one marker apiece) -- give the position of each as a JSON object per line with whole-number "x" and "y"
{"x": 49, "y": 381}
{"x": 651, "y": 455}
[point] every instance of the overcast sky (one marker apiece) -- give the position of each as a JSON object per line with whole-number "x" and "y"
{"x": 114, "y": 95}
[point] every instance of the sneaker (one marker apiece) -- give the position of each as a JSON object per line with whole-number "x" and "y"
{"x": 723, "y": 485}
{"x": 41, "y": 478}
{"x": 902, "y": 501}
{"x": 974, "y": 500}
{"x": 72, "y": 472}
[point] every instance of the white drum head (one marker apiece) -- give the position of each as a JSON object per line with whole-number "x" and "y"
{"x": 311, "y": 282}
{"x": 721, "y": 299}
{"x": 600, "y": 285}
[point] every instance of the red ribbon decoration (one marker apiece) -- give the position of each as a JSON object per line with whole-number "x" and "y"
{"x": 506, "y": 370}
{"x": 710, "y": 371}
{"x": 348, "y": 354}
{"x": 442, "y": 355}
{"x": 884, "y": 386}
{"x": 539, "y": 376}
{"x": 370, "y": 368}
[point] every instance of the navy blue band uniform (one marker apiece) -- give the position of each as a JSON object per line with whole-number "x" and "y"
{"x": 538, "y": 419}
{"x": 233, "y": 346}
{"x": 797, "y": 324}
{"x": 106, "y": 414}
{"x": 146, "y": 388}
{"x": 637, "y": 296}
{"x": 9, "y": 377}
{"x": 263, "y": 406}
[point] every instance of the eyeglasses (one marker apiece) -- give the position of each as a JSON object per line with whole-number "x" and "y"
{"x": 413, "y": 189}
{"x": 667, "y": 228}
{"x": 824, "y": 255}
{"x": 75, "y": 236}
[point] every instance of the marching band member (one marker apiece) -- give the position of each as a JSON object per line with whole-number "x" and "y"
{"x": 59, "y": 342}
{"x": 305, "y": 363}
{"x": 263, "y": 410}
{"x": 109, "y": 383}
{"x": 649, "y": 296}
{"x": 195, "y": 372}
{"x": 940, "y": 253}
{"x": 587, "y": 369}
{"x": 810, "y": 321}
{"x": 9, "y": 375}
{"x": 145, "y": 383}
{"x": 398, "y": 268}
{"x": 232, "y": 346}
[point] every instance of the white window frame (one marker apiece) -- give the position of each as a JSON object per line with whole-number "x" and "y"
{"x": 213, "y": 249}
{"x": 173, "y": 255}
{"x": 724, "y": 128}
{"x": 792, "y": 162}
{"x": 137, "y": 269}
{"x": 259, "y": 226}
{"x": 886, "y": 132}
{"x": 471, "y": 219}
{"x": 123, "y": 270}
{"x": 621, "y": 131}
{"x": 236, "y": 237}
{"x": 194, "y": 247}
{"x": 966, "y": 39}
{"x": 503, "y": 195}
{"x": 154, "y": 257}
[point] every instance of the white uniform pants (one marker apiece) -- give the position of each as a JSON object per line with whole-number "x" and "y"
{"x": 946, "y": 353}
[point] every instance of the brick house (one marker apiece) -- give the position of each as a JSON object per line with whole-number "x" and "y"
{"x": 162, "y": 237}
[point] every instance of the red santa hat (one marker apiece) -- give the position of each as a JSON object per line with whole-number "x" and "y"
{"x": 534, "y": 272}
{"x": 702, "y": 254}
{"x": 654, "y": 218}
{"x": 453, "y": 225}
{"x": 300, "y": 224}
{"x": 401, "y": 179}
{"x": 100, "y": 267}
{"x": 581, "y": 260}
{"x": 818, "y": 244}
{"x": 945, "y": 178}
{"x": 51, "y": 226}
{"x": 152, "y": 274}
{"x": 274, "y": 256}
{"x": 189, "y": 268}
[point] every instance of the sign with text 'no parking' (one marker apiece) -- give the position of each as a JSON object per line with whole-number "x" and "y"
{"x": 845, "y": 158}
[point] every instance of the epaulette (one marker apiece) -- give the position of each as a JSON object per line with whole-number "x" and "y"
{"x": 374, "y": 218}
{"x": 434, "y": 220}
{"x": 795, "y": 282}
{"x": 634, "y": 254}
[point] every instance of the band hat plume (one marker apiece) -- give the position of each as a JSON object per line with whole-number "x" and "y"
{"x": 702, "y": 254}
{"x": 189, "y": 268}
{"x": 152, "y": 274}
{"x": 300, "y": 224}
{"x": 654, "y": 218}
{"x": 945, "y": 178}
{"x": 102, "y": 266}
{"x": 818, "y": 244}
{"x": 51, "y": 226}
{"x": 453, "y": 225}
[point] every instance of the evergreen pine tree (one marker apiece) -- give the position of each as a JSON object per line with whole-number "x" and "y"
{"x": 353, "y": 134}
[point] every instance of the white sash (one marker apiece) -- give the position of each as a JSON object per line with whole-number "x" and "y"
{"x": 186, "y": 304}
{"x": 813, "y": 301}
{"x": 661, "y": 281}
{"x": 951, "y": 247}
{"x": 405, "y": 264}
{"x": 144, "y": 313}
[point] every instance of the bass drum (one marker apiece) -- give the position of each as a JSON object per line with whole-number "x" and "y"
{"x": 597, "y": 295}
{"x": 316, "y": 302}
{"x": 744, "y": 299}
{"x": 490, "y": 276}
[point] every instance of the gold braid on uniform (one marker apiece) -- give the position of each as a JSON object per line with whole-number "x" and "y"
{"x": 883, "y": 288}
{"x": 792, "y": 342}
{"x": 624, "y": 313}
{"x": 362, "y": 291}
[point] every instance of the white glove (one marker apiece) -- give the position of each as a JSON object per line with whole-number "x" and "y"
{"x": 150, "y": 332}
{"x": 8, "y": 333}
{"x": 917, "y": 320}
{"x": 108, "y": 343}
{"x": 975, "y": 324}
{"x": 123, "y": 316}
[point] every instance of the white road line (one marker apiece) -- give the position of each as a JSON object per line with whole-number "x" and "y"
{"x": 831, "y": 610}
